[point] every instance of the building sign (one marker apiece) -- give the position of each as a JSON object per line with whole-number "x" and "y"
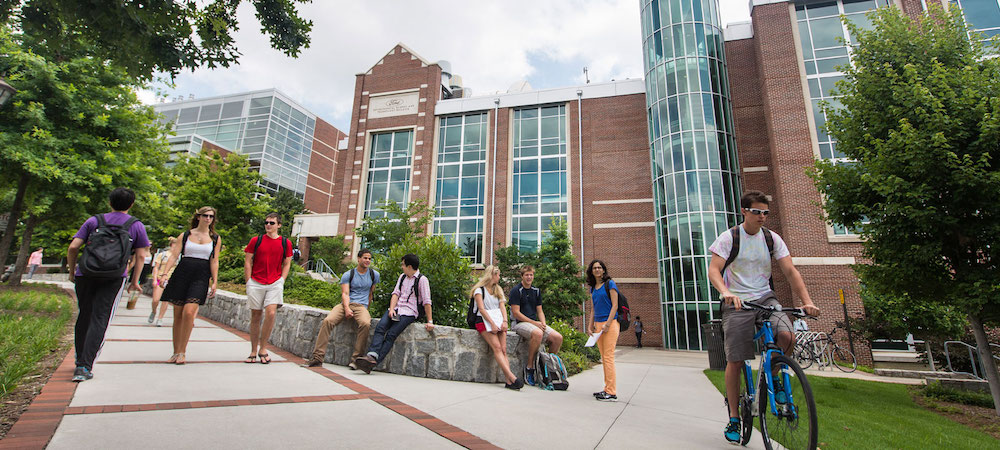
{"x": 393, "y": 105}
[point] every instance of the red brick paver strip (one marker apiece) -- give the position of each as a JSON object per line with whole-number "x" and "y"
{"x": 450, "y": 432}
{"x": 38, "y": 424}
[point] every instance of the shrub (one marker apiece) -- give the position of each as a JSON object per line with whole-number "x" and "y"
{"x": 576, "y": 357}
{"x": 232, "y": 275}
{"x": 940, "y": 392}
{"x": 333, "y": 250}
{"x": 446, "y": 270}
{"x": 304, "y": 290}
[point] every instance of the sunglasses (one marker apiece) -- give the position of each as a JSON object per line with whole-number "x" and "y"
{"x": 208, "y": 216}
{"x": 270, "y": 222}
{"x": 758, "y": 212}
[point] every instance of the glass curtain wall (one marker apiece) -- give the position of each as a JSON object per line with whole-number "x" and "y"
{"x": 275, "y": 136}
{"x": 695, "y": 171}
{"x": 540, "y": 192}
{"x": 461, "y": 181}
{"x": 983, "y": 15}
{"x": 826, "y": 47}
{"x": 389, "y": 169}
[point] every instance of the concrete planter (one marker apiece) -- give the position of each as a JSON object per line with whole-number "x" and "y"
{"x": 446, "y": 353}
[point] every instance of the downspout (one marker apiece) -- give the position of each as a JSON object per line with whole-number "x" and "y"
{"x": 579, "y": 160}
{"x": 493, "y": 190}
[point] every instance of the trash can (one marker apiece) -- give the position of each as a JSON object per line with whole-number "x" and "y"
{"x": 714, "y": 344}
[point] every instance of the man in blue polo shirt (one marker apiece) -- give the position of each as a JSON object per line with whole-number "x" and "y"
{"x": 357, "y": 288}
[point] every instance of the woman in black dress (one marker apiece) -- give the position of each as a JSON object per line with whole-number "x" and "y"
{"x": 194, "y": 277}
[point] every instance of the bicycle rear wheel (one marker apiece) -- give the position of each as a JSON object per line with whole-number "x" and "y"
{"x": 844, "y": 360}
{"x": 794, "y": 425}
{"x": 803, "y": 355}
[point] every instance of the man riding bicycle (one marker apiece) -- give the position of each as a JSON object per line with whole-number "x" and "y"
{"x": 741, "y": 270}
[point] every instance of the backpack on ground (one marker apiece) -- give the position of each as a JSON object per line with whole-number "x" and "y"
{"x": 550, "y": 372}
{"x": 735, "y": 251}
{"x": 623, "y": 309}
{"x": 471, "y": 316}
{"x": 421, "y": 314}
{"x": 108, "y": 249}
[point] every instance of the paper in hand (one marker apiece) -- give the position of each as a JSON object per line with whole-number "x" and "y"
{"x": 593, "y": 339}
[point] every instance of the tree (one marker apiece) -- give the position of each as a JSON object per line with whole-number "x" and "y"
{"x": 288, "y": 205}
{"x": 333, "y": 250}
{"x": 921, "y": 122}
{"x": 447, "y": 272}
{"x": 74, "y": 131}
{"x": 557, "y": 273}
{"x": 380, "y": 233}
{"x": 226, "y": 184}
{"x": 158, "y": 36}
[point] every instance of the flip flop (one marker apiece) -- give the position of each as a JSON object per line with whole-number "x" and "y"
{"x": 251, "y": 359}
{"x": 265, "y": 358}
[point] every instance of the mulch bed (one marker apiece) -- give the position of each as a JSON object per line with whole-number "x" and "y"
{"x": 975, "y": 417}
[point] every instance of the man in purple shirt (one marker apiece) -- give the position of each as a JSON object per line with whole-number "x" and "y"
{"x": 412, "y": 290}
{"x": 98, "y": 297}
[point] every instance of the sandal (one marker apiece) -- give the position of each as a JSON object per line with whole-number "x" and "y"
{"x": 180, "y": 359}
{"x": 173, "y": 359}
{"x": 251, "y": 359}
{"x": 265, "y": 358}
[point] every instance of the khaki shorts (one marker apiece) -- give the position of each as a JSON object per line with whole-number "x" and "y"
{"x": 260, "y": 295}
{"x": 524, "y": 329}
{"x": 739, "y": 327}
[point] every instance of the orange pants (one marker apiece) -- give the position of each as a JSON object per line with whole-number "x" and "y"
{"x": 606, "y": 344}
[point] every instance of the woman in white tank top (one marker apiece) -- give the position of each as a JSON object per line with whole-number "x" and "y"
{"x": 491, "y": 310}
{"x": 194, "y": 278}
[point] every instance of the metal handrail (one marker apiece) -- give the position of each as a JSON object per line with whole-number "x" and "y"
{"x": 320, "y": 266}
{"x": 972, "y": 358}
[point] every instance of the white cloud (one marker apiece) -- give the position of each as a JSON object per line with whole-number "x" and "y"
{"x": 487, "y": 42}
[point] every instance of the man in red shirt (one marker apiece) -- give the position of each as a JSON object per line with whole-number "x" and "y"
{"x": 268, "y": 258}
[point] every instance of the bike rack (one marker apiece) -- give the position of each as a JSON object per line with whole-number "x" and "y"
{"x": 973, "y": 357}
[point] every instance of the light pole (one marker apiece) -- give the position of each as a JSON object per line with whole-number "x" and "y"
{"x": 6, "y": 91}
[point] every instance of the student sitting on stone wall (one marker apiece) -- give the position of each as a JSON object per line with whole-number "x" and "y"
{"x": 412, "y": 290}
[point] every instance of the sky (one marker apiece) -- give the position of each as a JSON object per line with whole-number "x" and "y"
{"x": 491, "y": 44}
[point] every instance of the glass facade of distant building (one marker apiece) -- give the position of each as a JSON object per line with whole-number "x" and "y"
{"x": 389, "y": 171}
{"x": 266, "y": 126}
{"x": 696, "y": 182}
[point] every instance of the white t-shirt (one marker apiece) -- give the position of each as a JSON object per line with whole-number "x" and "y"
{"x": 749, "y": 275}
{"x": 489, "y": 301}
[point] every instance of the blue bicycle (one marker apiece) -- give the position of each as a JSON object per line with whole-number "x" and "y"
{"x": 783, "y": 398}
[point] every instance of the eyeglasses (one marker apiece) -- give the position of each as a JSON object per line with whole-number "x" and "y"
{"x": 758, "y": 212}
{"x": 270, "y": 222}
{"x": 208, "y": 216}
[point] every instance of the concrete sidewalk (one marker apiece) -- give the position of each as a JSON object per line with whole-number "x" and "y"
{"x": 217, "y": 401}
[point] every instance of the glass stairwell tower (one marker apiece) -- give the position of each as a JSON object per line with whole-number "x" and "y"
{"x": 695, "y": 172}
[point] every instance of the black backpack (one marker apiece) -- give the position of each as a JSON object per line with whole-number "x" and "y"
{"x": 623, "y": 309}
{"x": 471, "y": 318}
{"x": 284, "y": 246}
{"x": 108, "y": 249}
{"x": 184, "y": 241}
{"x": 421, "y": 314}
{"x": 371, "y": 273}
{"x": 735, "y": 231}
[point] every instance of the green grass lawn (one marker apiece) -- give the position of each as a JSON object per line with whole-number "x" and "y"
{"x": 32, "y": 319}
{"x": 867, "y": 414}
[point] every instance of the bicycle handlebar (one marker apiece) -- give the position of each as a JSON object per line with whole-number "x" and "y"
{"x": 797, "y": 312}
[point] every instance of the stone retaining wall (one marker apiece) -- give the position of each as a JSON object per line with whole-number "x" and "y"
{"x": 445, "y": 353}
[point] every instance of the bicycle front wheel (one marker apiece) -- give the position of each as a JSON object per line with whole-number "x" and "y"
{"x": 793, "y": 423}
{"x": 844, "y": 360}
{"x": 803, "y": 355}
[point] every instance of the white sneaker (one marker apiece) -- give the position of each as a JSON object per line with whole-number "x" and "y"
{"x": 159, "y": 322}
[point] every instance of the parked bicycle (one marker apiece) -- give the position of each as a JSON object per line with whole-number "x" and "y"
{"x": 824, "y": 350}
{"x": 781, "y": 397}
